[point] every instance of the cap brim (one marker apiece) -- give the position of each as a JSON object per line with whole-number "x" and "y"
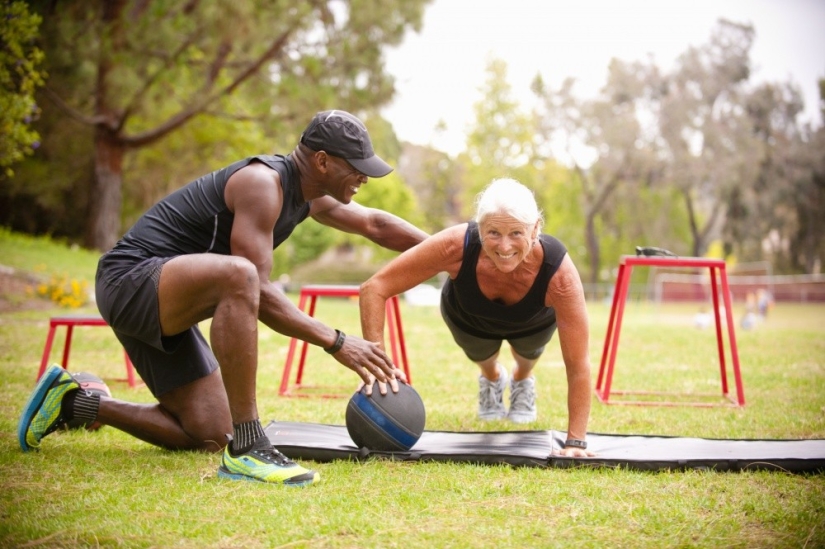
{"x": 371, "y": 167}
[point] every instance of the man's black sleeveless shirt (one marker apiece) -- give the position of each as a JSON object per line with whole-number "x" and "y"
{"x": 465, "y": 305}
{"x": 195, "y": 219}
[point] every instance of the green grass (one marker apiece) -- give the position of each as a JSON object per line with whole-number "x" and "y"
{"x": 44, "y": 257}
{"x": 107, "y": 489}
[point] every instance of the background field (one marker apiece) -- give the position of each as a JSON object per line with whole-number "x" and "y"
{"x": 107, "y": 489}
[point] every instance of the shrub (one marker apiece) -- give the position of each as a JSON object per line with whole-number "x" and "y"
{"x": 66, "y": 292}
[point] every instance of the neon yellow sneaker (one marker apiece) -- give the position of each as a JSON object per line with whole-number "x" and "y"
{"x": 42, "y": 413}
{"x": 265, "y": 464}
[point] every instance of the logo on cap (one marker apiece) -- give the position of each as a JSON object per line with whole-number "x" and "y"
{"x": 341, "y": 134}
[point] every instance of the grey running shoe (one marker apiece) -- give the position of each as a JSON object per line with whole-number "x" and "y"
{"x": 522, "y": 401}
{"x": 491, "y": 396}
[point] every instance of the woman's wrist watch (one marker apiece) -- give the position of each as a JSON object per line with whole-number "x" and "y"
{"x": 576, "y": 443}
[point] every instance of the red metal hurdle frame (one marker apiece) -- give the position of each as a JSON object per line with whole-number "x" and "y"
{"x": 70, "y": 322}
{"x": 311, "y": 293}
{"x": 611, "y": 342}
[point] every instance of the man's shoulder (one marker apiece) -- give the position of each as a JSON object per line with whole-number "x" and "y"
{"x": 274, "y": 161}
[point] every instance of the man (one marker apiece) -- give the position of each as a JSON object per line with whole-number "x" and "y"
{"x": 205, "y": 251}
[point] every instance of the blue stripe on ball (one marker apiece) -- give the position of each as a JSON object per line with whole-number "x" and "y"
{"x": 400, "y": 436}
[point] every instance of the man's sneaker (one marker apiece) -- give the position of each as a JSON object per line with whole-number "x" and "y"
{"x": 522, "y": 400}
{"x": 491, "y": 396}
{"x": 265, "y": 464}
{"x": 42, "y": 413}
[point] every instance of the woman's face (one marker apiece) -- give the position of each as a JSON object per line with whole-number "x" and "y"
{"x": 506, "y": 240}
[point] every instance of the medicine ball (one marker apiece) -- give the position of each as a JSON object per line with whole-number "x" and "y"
{"x": 93, "y": 384}
{"x": 386, "y": 423}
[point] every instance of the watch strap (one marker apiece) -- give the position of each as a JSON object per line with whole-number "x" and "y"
{"x": 576, "y": 443}
{"x": 339, "y": 342}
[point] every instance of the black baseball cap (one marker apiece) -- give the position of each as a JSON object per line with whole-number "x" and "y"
{"x": 341, "y": 134}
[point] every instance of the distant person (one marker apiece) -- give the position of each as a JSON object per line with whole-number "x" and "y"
{"x": 702, "y": 319}
{"x": 764, "y": 302}
{"x": 750, "y": 320}
{"x": 205, "y": 251}
{"x": 507, "y": 281}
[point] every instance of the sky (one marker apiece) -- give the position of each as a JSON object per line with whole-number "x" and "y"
{"x": 440, "y": 70}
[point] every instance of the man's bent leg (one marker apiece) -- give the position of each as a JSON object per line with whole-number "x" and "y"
{"x": 192, "y": 417}
{"x": 225, "y": 288}
{"x": 228, "y": 290}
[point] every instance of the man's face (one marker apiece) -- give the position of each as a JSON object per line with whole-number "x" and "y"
{"x": 345, "y": 180}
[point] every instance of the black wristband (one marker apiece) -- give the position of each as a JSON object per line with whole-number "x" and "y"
{"x": 339, "y": 342}
{"x": 575, "y": 443}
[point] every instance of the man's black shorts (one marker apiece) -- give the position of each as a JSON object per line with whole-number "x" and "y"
{"x": 126, "y": 289}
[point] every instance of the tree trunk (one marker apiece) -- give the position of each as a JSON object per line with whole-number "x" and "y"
{"x": 694, "y": 226}
{"x": 593, "y": 248}
{"x": 105, "y": 199}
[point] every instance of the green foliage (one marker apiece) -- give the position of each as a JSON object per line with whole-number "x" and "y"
{"x": 390, "y": 194}
{"x": 20, "y": 76}
{"x": 50, "y": 191}
{"x": 664, "y": 224}
{"x": 500, "y": 141}
{"x": 164, "y": 75}
{"x": 204, "y": 145}
{"x": 311, "y": 239}
{"x": 307, "y": 242}
{"x": 559, "y": 197}
{"x": 247, "y": 71}
{"x": 435, "y": 180}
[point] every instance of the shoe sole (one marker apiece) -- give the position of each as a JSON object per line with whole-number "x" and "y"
{"x": 492, "y": 417}
{"x": 223, "y": 473}
{"x": 522, "y": 419}
{"x": 34, "y": 403}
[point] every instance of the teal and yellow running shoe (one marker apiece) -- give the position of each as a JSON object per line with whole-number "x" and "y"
{"x": 265, "y": 464}
{"x": 42, "y": 413}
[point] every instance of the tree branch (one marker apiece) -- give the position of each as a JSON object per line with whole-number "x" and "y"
{"x": 70, "y": 111}
{"x": 198, "y": 107}
{"x": 133, "y": 103}
{"x": 606, "y": 191}
{"x": 273, "y": 52}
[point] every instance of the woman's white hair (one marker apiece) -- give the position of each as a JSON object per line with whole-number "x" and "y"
{"x": 508, "y": 196}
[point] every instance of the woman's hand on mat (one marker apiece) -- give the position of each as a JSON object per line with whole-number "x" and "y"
{"x": 574, "y": 453}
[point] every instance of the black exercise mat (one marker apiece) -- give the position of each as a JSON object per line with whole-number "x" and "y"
{"x": 322, "y": 443}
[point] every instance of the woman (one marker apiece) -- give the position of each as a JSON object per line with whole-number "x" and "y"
{"x": 507, "y": 281}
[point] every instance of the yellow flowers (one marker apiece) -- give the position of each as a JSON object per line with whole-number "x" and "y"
{"x": 69, "y": 293}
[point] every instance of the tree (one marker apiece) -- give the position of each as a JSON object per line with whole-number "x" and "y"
{"x": 137, "y": 71}
{"x": 791, "y": 183}
{"x": 431, "y": 174}
{"x": 709, "y": 141}
{"x": 604, "y": 142}
{"x": 761, "y": 211}
{"x": 500, "y": 142}
{"x": 20, "y": 76}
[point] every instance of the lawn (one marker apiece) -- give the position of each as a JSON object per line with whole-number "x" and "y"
{"x": 107, "y": 489}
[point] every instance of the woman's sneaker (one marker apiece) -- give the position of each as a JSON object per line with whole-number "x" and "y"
{"x": 42, "y": 413}
{"x": 522, "y": 400}
{"x": 264, "y": 463}
{"x": 491, "y": 396}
